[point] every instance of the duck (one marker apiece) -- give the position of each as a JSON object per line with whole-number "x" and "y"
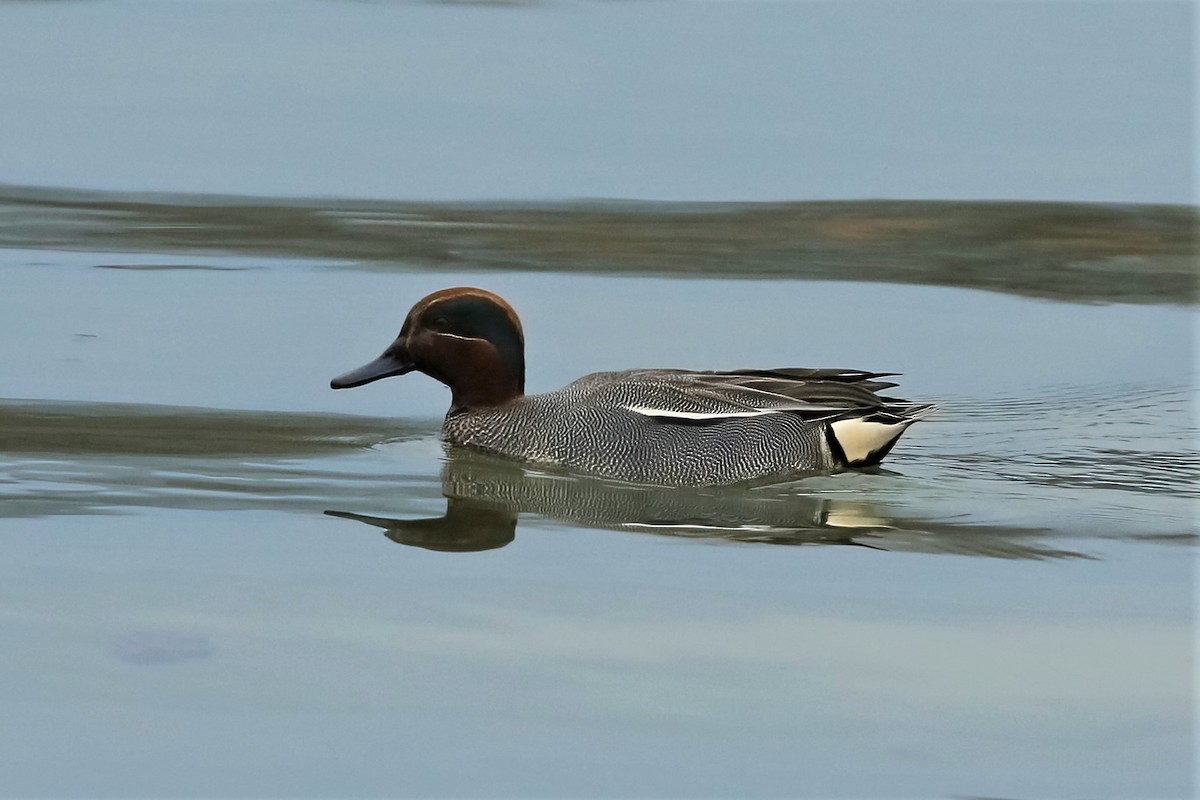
{"x": 672, "y": 427}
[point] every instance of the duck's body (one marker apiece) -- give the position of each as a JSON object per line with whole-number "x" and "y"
{"x": 670, "y": 427}
{"x": 685, "y": 428}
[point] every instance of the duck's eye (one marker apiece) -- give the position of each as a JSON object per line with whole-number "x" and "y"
{"x": 439, "y": 323}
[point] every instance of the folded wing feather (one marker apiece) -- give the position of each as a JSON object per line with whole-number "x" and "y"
{"x": 709, "y": 396}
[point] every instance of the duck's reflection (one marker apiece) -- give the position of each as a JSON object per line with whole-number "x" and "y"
{"x": 485, "y": 496}
{"x": 466, "y": 527}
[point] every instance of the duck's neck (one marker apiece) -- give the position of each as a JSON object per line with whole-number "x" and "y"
{"x": 486, "y": 392}
{"x": 485, "y": 375}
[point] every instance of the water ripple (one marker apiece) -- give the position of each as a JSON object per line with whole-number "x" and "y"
{"x": 1129, "y": 438}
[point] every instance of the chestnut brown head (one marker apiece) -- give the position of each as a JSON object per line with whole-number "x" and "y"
{"x": 469, "y": 339}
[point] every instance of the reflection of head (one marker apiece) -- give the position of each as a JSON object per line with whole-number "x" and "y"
{"x": 465, "y": 528}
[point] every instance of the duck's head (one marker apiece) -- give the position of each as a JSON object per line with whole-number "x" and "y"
{"x": 469, "y": 339}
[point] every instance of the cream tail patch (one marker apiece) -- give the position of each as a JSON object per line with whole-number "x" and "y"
{"x": 859, "y": 439}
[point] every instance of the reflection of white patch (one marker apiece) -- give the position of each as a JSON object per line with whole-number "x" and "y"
{"x": 699, "y": 527}
{"x": 859, "y": 438}
{"x": 646, "y": 411}
{"x": 671, "y": 526}
{"x": 850, "y": 517}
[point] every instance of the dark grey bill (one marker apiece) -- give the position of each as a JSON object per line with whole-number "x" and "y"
{"x": 385, "y": 366}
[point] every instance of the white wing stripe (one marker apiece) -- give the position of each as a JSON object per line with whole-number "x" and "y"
{"x": 646, "y": 411}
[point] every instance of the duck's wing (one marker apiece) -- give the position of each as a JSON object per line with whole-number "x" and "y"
{"x": 811, "y": 393}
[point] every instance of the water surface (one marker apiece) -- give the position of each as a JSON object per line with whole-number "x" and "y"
{"x": 223, "y": 579}
{"x": 213, "y": 558}
{"x": 1081, "y": 101}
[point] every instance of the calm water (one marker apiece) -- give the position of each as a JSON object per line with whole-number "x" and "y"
{"x": 221, "y": 578}
{"x": 214, "y": 559}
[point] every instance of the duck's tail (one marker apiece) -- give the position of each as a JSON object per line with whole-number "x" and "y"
{"x": 864, "y": 441}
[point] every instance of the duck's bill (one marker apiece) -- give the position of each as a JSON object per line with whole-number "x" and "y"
{"x": 385, "y": 366}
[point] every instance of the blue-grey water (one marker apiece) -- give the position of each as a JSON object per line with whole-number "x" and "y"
{"x": 764, "y": 100}
{"x": 220, "y": 578}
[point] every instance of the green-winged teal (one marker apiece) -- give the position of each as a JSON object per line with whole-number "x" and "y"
{"x": 660, "y": 426}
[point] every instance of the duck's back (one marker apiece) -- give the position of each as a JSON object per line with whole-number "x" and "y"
{"x": 681, "y": 428}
